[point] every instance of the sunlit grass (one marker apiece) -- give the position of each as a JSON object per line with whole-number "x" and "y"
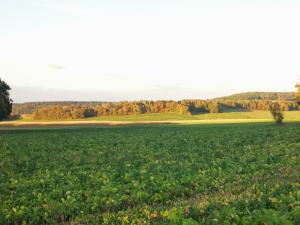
{"x": 256, "y": 116}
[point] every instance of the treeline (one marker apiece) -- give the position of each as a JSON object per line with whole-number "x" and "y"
{"x": 80, "y": 111}
{"x": 30, "y": 107}
{"x": 125, "y": 108}
{"x": 63, "y": 113}
{"x": 260, "y": 105}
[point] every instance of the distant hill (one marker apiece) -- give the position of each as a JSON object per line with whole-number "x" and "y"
{"x": 287, "y": 96}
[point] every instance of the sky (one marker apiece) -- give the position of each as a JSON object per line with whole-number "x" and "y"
{"x": 111, "y": 50}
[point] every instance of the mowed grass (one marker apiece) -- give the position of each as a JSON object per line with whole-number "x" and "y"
{"x": 256, "y": 115}
{"x": 196, "y": 174}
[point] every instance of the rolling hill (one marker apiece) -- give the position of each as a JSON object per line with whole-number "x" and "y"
{"x": 287, "y": 96}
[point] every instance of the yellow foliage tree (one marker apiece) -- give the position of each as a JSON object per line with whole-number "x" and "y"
{"x": 298, "y": 92}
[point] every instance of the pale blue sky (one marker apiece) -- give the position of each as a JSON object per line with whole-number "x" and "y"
{"x": 130, "y": 50}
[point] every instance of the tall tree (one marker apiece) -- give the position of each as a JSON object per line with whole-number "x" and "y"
{"x": 5, "y": 101}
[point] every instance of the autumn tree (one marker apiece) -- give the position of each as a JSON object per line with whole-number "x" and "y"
{"x": 298, "y": 92}
{"x": 5, "y": 101}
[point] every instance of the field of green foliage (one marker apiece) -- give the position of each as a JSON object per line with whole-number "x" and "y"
{"x": 243, "y": 174}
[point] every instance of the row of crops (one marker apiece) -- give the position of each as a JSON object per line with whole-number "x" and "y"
{"x": 209, "y": 174}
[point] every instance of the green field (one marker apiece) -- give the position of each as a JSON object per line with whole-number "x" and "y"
{"x": 163, "y": 174}
{"x": 261, "y": 115}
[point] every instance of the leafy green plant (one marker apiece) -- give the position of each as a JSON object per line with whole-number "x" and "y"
{"x": 208, "y": 174}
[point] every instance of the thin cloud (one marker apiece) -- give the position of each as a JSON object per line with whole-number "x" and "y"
{"x": 56, "y": 67}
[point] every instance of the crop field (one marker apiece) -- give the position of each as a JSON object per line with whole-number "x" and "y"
{"x": 242, "y": 174}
